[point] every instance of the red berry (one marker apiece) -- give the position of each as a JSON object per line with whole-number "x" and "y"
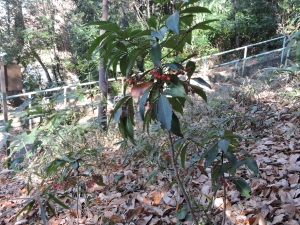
{"x": 145, "y": 104}
{"x": 193, "y": 91}
{"x": 111, "y": 111}
{"x": 168, "y": 78}
{"x": 149, "y": 108}
{"x": 156, "y": 76}
{"x": 159, "y": 77}
{"x": 163, "y": 77}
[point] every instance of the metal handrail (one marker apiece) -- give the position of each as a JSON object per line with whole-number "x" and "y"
{"x": 236, "y": 62}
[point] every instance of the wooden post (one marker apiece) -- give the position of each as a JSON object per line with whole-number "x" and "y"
{"x": 4, "y": 103}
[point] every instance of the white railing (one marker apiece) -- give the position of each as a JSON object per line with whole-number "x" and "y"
{"x": 204, "y": 68}
{"x": 236, "y": 62}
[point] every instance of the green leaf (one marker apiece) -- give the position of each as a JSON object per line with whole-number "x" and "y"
{"x": 118, "y": 105}
{"x": 27, "y": 206}
{"x": 175, "y": 90}
{"x": 196, "y": 9}
{"x": 175, "y": 126}
{"x": 174, "y": 66}
{"x": 199, "y": 91}
{"x": 173, "y": 22}
{"x": 252, "y": 165}
{"x": 231, "y": 158}
{"x": 43, "y": 214}
{"x": 57, "y": 201}
{"x": 74, "y": 165}
{"x": 96, "y": 43}
{"x": 147, "y": 121}
{"x": 232, "y": 170}
{"x": 164, "y": 112}
{"x": 176, "y": 105}
{"x": 122, "y": 128}
{"x": 155, "y": 54}
{"x": 50, "y": 209}
{"x": 129, "y": 129}
{"x": 160, "y": 33}
{"x": 152, "y": 22}
{"x": 242, "y": 187}
{"x": 183, "y": 155}
{"x": 224, "y": 144}
{"x": 187, "y": 20}
{"x": 139, "y": 33}
{"x": 123, "y": 64}
{"x": 190, "y": 68}
{"x": 143, "y": 101}
{"x": 117, "y": 115}
{"x": 211, "y": 156}
{"x": 199, "y": 80}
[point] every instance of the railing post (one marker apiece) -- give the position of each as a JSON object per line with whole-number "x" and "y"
{"x": 283, "y": 49}
{"x": 205, "y": 65}
{"x": 244, "y": 59}
{"x": 65, "y": 97}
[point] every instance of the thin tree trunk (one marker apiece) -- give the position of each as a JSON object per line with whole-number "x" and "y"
{"x": 103, "y": 85}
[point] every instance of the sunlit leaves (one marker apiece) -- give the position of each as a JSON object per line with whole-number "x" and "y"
{"x": 164, "y": 112}
{"x": 242, "y": 187}
{"x": 173, "y": 22}
{"x": 155, "y": 54}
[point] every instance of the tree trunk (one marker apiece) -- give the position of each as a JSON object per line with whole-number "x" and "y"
{"x": 63, "y": 46}
{"x": 103, "y": 85}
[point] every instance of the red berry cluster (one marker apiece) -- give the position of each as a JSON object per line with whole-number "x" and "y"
{"x": 64, "y": 185}
{"x": 157, "y": 75}
{"x": 135, "y": 79}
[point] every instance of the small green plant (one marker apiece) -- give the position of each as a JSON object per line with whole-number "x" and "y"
{"x": 163, "y": 95}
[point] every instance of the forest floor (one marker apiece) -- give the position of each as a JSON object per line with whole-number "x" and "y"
{"x": 142, "y": 191}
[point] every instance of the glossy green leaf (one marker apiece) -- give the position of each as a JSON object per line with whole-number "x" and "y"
{"x": 199, "y": 80}
{"x": 118, "y": 105}
{"x": 232, "y": 170}
{"x": 164, "y": 112}
{"x": 173, "y": 22}
{"x": 50, "y": 209}
{"x": 252, "y": 165}
{"x": 242, "y": 187}
{"x": 183, "y": 155}
{"x": 231, "y": 158}
{"x": 176, "y": 105}
{"x": 224, "y": 144}
{"x": 210, "y": 157}
{"x": 96, "y": 43}
{"x": 199, "y": 91}
{"x": 175, "y": 126}
{"x": 190, "y": 67}
{"x": 159, "y": 33}
{"x": 187, "y": 20}
{"x": 147, "y": 121}
{"x": 129, "y": 129}
{"x": 26, "y": 207}
{"x": 117, "y": 115}
{"x": 122, "y": 128}
{"x": 143, "y": 101}
{"x": 175, "y": 90}
{"x": 56, "y": 200}
{"x": 195, "y": 9}
{"x": 155, "y": 54}
{"x": 152, "y": 22}
{"x": 174, "y": 66}
{"x": 123, "y": 64}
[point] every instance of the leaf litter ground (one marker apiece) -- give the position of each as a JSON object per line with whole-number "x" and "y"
{"x": 142, "y": 192}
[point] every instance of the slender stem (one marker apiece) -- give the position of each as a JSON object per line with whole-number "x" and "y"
{"x": 188, "y": 202}
{"x": 224, "y": 205}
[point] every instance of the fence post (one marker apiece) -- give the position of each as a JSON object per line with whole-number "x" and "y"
{"x": 283, "y": 49}
{"x": 4, "y": 105}
{"x": 65, "y": 97}
{"x": 244, "y": 59}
